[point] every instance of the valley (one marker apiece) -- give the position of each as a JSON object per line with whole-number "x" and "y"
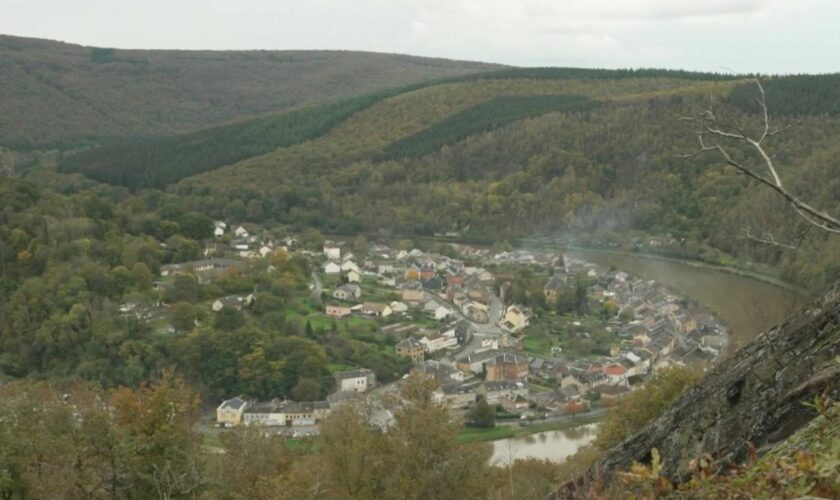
{"x": 355, "y": 275}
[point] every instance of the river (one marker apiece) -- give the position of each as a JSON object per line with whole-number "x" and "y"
{"x": 552, "y": 445}
{"x": 748, "y": 306}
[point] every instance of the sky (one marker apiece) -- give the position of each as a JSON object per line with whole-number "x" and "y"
{"x": 765, "y": 36}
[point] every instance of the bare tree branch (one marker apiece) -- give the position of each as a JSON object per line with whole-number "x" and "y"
{"x": 767, "y": 238}
{"x": 714, "y": 134}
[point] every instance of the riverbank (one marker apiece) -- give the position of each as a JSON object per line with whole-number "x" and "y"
{"x": 735, "y": 270}
{"x": 505, "y": 431}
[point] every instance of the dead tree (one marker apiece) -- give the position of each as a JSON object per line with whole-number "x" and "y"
{"x": 716, "y": 134}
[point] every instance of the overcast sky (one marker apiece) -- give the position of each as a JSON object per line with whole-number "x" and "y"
{"x": 769, "y": 36}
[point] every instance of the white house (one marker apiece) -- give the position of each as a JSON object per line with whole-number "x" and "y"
{"x": 350, "y": 266}
{"x": 360, "y": 380}
{"x": 332, "y": 268}
{"x": 353, "y": 276}
{"x": 240, "y": 232}
{"x": 441, "y": 312}
{"x": 219, "y": 232}
{"x": 399, "y": 307}
{"x": 516, "y": 318}
{"x": 331, "y": 251}
{"x": 230, "y": 411}
{"x": 375, "y": 309}
{"x": 441, "y": 340}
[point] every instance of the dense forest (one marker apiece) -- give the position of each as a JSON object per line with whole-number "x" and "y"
{"x": 55, "y": 94}
{"x": 483, "y": 117}
{"x": 72, "y": 261}
{"x": 157, "y": 163}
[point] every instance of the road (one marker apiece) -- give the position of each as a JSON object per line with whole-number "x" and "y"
{"x": 596, "y": 413}
{"x": 481, "y": 331}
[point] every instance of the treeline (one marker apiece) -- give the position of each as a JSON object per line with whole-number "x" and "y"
{"x": 483, "y": 117}
{"x": 795, "y": 95}
{"x": 597, "y": 74}
{"x": 155, "y": 163}
{"x": 76, "y": 440}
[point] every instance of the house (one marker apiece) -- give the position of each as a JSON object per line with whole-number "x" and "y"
{"x": 286, "y": 413}
{"x": 507, "y": 366}
{"x": 348, "y": 291}
{"x": 475, "y": 311}
{"x": 332, "y": 268}
{"x": 439, "y": 340}
{"x": 398, "y": 307}
{"x": 441, "y": 313}
{"x": 475, "y": 361}
{"x": 375, "y": 309}
{"x": 230, "y": 411}
{"x": 616, "y": 372}
{"x": 349, "y": 265}
{"x": 232, "y": 301}
{"x": 433, "y": 283}
{"x": 218, "y": 232}
{"x": 353, "y": 276}
{"x": 360, "y": 380}
{"x": 338, "y": 311}
{"x": 385, "y": 268}
{"x": 240, "y": 232}
{"x": 514, "y": 405}
{"x": 212, "y": 248}
{"x": 205, "y": 270}
{"x": 413, "y": 296}
{"x": 515, "y": 319}
{"x": 444, "y": 374}
{"x": 493, "y": 392}
{"x": 456, "y": 396}
{"x": 411, "y": 348}
{"x": 552, "y": 289}
{"x": 331, "y": 251}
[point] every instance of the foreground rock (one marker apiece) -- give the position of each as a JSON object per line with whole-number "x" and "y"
{"x": 755, "y": 399}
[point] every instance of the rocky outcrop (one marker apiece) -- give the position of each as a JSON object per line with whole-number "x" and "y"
{"x": 754, "y": 399}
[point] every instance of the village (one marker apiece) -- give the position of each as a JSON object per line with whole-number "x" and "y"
{"x": 456, "y": 319}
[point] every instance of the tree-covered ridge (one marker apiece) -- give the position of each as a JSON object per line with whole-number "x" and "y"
{"x": 367, "y": 133}
{"x": 155, "y": 163}
{"x": 159, "y": 162}
{"x": 548, "y": 73}
{"x": 56, "y": 94}
{"x": 796, "y": 95}
{"x": 483, "y": 117}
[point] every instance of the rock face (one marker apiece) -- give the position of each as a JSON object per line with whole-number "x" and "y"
{"x": 755, "y": 398}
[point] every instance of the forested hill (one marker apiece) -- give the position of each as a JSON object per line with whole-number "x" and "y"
{"x": 592, "y": 154}
{"x": 59, "y": 94}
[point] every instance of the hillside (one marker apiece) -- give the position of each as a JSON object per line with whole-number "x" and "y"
{"x": 585, "y": 154}
{"x": 59, "y": 94}
{"x": 515, "y": 153}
